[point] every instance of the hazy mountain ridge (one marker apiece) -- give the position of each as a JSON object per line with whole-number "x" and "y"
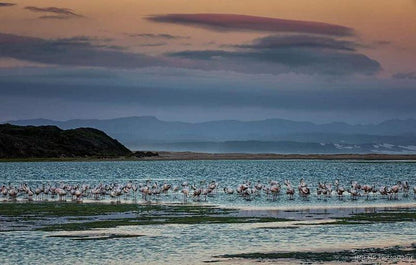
{"x": 148, "y": 132}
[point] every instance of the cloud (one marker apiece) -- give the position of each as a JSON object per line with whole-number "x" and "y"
{"x": 157, "y": 36}
{"x": 281, "y": 54}
{"x": 55, "y": 17}
{"x": 61, "y": 12}
{"x": 300, "y": 41}
{"x": 382, "y": 42}
{"x": 83, "y": 38}
{"x": 233, "y": 22}
{"x": 78, "y": 51}
{"x": 408, "y": 75}
{"x": 268, "y": 55}
{"x": 156, "y": 44}
{"x": 6, "y": 4}
{"x": 176, "y": 89}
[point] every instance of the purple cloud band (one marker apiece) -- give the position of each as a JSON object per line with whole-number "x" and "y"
{"x": 6, "y": 4}
{"x": 55, "y": 10}
{"x": 268, "y": 55}
{"x": 233, "y": 22}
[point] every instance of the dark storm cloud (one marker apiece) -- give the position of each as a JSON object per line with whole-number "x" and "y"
{"x": 78, "y": 51}
{"x": 6, "y": 4}
{"x": 61, "y": 12}
{"x": 233, "y": 22}
{"x": 157, "y": 36}
{"x": 299, "y": 58}
{"x": 408, "y": 75}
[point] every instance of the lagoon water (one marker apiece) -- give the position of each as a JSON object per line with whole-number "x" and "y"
{"x": 194, "y": 244}
{"x": 227, "y": 173}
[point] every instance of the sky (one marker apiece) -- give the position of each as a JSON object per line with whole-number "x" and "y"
{"x": 199, "y": 60}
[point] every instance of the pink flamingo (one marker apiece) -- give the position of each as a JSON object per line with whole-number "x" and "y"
{"x": 289, "y": 189}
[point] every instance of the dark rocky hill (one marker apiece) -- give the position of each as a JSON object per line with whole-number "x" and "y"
{"x": 51, "y": 141}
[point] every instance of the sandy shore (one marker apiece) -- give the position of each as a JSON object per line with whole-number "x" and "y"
{"x": 244, "y": 156}
{"x": 166, "y": 156}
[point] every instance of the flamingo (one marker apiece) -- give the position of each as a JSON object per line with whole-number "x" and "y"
{"x": 339, "y": 189}
{"x": 242, "y": 187}
{"x": 247, "y": 194}
{"x": 258, "y": 186}
{"x": 367, "y": 189}
{"x": 197, "y": 192}
{"x": 38, "y": 191}
{"x": 328, "y": 188}
{"x": 275, "y": 190}
{"x": 405, "y": 187}
{"x": 354, "y": 193}
{"x": 165, "y": 188}
{"x": 152, "y": 190}
{"x": 134, "y": 188}
{"x": 12, "y": 192}
{"x": 4, "y": 191}
{"x": 395, "y": 189}
{"x": 30, "y": 194}
{"x": 228, "y": 190}
{"x": 78, "y": 195}
{"x": 145, "y": 192}
{"x": 289, "y": 189}
{"x": 303, "y": 189}
{"x": 383, "y": 191}
{"x": 324, "y": 189}
{"x": 213, "y": 185}
{"x": 185, "y": 192}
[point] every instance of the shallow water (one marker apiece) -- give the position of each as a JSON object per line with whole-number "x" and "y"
{"x": 226, "y": 173}
{"x": 193, "y": 244}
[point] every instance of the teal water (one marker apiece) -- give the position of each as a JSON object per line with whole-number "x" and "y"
{"x": 226, "y": 173}
{"x": 194, "y": 244}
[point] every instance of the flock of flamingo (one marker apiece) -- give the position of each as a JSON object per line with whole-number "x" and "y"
{"x": 154, "y": 191}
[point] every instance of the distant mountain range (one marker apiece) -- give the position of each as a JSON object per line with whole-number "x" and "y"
{"x": 271, "y": 135}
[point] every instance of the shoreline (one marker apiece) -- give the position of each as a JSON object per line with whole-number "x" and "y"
{"x": 274, "y": 156}
{"x": 177, "y": 156}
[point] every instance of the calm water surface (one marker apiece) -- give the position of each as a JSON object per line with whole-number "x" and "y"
{"x": 192, "y": 244}
{"x": 226, "y": 173}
